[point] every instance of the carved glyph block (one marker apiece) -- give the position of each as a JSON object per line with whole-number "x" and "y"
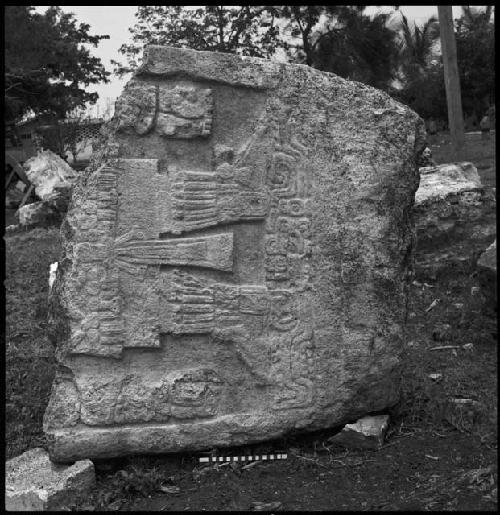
{"x": 235, "y": 259}
{"x": 178, "y": 112}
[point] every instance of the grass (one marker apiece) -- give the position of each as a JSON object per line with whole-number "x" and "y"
{"x": 29, "y": 356}
{"x": 461, "y": 320}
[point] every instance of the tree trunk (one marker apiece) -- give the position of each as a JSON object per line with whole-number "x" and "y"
{"x": 451, "y": 79}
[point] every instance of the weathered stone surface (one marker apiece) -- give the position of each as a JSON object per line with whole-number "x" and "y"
{"x": 487, "y": 268}
{"x": 49, "y": 173}
{"x": 52, "y": 274}
{"x": 34, "y": 483}
{"x": 367, "y": 433}
{"x": 426, "y": 159}
{"x": 488, "y": 259}
{"x": 455, "y": 219}
{"x": 37, "y": 214}
{"x": 236, "y": 259}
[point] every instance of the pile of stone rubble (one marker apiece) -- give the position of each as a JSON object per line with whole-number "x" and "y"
{"x": 52, "y": 179}
{"x": 455, "y": 219}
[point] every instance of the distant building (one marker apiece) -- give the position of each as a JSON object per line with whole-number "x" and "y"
{"x": 23, "y": 140}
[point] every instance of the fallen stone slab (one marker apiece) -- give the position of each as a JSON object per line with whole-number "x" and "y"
{"x": 367, "y": 433}
{"x": 455, "y": 218}
{"x": 235, "y": 259}
{"x": 34, "y": 483}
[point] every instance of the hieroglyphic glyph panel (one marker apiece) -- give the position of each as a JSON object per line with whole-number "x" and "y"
{"x": 235, "y": 259}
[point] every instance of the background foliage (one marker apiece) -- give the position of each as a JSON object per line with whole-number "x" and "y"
{"x": 381, "y": 50}
{"x": 47, "y": 65}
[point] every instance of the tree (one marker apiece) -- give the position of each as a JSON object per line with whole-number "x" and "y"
{"x": 47, "y": 66}
{"x": 475, "y": 37}
{"x": 300, "y": 20}
{"x": 334, "y": 38}
{"x": 416, "y": 46}
{"x": 246, "y": 30}
{"x": 356, "y": 46}
{"x": 421, "y": 71}
{"x": 70, "y": 136}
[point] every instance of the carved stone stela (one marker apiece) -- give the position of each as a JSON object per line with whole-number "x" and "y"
{"x": 235, "y": 259}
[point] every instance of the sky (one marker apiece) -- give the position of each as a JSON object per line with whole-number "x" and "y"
{"x": 117, "y": 19}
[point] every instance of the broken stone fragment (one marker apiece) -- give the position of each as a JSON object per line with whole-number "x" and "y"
{"x": 34, "y": 483}
{"x": 37, "y": 214}
{"x": 487, "y": 273}
{"x": 426, "y": 159}
{"x": 52, "y": 274}
{"x": 455, "y": 218}
{"x": 367, "y": 433}
{"x": 48, "y": 172}
{"x": 488, "y": 259}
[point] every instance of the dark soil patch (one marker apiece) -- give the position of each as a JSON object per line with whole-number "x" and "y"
{"x": 415, "y": 471}
{"x": 29, "y": 355}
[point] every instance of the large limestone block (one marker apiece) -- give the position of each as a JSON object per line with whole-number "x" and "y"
{"x": 235, "y": 259}
{"x": 34, "y": 483}
{"x": 455, "y": 219}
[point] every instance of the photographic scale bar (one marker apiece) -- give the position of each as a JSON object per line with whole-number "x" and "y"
{"x": 262, "y": 457}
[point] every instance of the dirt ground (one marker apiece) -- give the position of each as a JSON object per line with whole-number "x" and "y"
{"x": 414, "y": 471}
{"x": 438, "y": 455}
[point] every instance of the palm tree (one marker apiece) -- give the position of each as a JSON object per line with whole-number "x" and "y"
{"x": 357, "y": 47}
{"x": 421, "y": 76}
{"x": 416, "y": 46}
{"x": 475, "y": 18}
{"x": 475, "y": 36}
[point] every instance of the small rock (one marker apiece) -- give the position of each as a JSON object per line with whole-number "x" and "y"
{"x": 34, "y": 483}
{"x": 265, "y": 506}
{"x": 170, "y": 489}
{"x": 466, "y": 402}
{"x": 367, "y": 433}
{"x": 52, "y": 274}
{"x": 437, "y": 378}
{"x": 468, "y": 346}
{"x": 487, "y": 268}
